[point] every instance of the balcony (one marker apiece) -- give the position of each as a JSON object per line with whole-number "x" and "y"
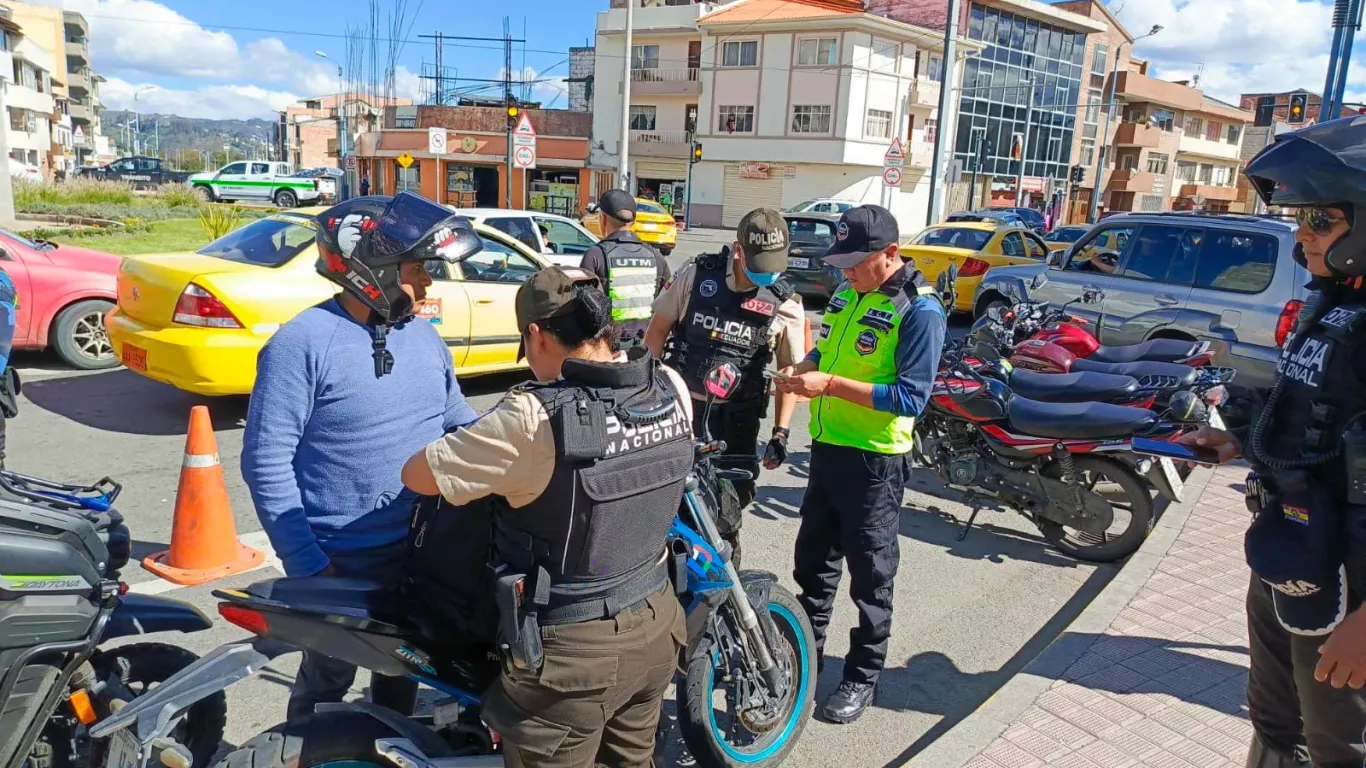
{"x": 78, "y": 80}
{"x": 1134, "y": 87}
{"x": 660, "y": 144}
{"x": 1208, "y": 148}
{"x": 925, "y": 93}
{"x": 79, "y": 112}
{"x": 1210, "y": 192}
{"x": 1131, "y": 180}
{"x": 649, "y": 81}
{"x": 77, "y": 48}
{"x": 1137, "y": 135}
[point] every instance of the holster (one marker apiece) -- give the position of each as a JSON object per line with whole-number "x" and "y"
{"x": 678, "y": 565}
{"x": 1261, "y": 492}
{"x": 519, "y": 631}
{"x": 10, "y": 387}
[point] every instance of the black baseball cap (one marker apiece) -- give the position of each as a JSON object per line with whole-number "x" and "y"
{"x": 549, "y": 294}
{"x": 862, "y": 231}
{"x": 763, "y": 239}
{"x": 618, "y": 204}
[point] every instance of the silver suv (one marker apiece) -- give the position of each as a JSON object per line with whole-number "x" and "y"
{"x": 1225, "y": 278}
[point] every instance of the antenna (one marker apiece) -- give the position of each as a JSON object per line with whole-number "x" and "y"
{"x": 1199, "y": 70}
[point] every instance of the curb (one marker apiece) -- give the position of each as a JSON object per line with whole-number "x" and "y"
{"x": 977, "y": 731}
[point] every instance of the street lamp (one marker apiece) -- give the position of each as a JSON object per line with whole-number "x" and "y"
{"x": 341, "y": 126}
{"x": 137, "y": 119}
{"x": 1103, "y": 144}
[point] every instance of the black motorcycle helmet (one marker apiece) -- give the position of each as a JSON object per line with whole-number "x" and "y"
{"x": 362, "y": 242}
{"x": 1323, "y": 165}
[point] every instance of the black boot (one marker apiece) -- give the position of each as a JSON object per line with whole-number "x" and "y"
{"x": 847, "y": 704}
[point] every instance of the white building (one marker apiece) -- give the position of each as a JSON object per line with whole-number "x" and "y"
{"x": 28, "y": 99}
{"x": 790, "y": 100}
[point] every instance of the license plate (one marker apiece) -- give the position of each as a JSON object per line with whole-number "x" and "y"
{"x": 794, "y": 262}
{"x": 1215, "y": 420}
{"x": 123, "y": 750}
{"x": 1173, "y": 477}
{"x": 647, "y": 227}
{"x": 135, "y": 358}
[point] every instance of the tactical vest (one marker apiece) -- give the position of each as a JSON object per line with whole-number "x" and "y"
{"x": 593, "y": 542}
{"x": 858, "y": 341}
{"x": 632, "y": 276}
{"x": 720, "y": 325}
{"x": 1306, "y": 542}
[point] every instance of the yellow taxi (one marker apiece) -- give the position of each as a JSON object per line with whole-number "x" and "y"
{"x": 653, "y": 225}
{"x": 197, "y": 320}
{"x": 975, "y": 247}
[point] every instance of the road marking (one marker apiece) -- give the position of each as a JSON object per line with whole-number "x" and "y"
{"x": 255, "y": 539}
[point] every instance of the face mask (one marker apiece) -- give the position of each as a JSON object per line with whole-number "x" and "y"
{"x": 763, "y": 279}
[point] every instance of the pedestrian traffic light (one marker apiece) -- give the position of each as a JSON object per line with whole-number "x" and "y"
{"x": 513, "y": 114}
{"x": 1299, "y": 102}
{"x": 697, "y": 151}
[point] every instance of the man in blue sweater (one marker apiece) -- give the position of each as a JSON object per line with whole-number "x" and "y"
{"x": 344, "y": 394}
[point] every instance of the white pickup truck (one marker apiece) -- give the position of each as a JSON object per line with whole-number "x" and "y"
{"x": 256, "y": 181}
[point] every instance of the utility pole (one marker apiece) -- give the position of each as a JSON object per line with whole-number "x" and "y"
{"x": 946, "y": 130}
{"x": 1103, "y": 141}
{"x": 624, "y": 167}
{"x": 507, "y": 101}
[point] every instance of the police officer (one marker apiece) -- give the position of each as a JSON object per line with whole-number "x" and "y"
{"x": 1307, "y": 542}
{"x": 585, "y": 470}
{"x": 631, "y": 272}
{"x": 9, "y": 378}
{"x": 870, "y": 375}
{"x": 735, "y": 307}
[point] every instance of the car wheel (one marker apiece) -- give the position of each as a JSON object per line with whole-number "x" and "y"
{"x": 79, "y": 336}
{"x": 204, "y": 193}
{"x": 286, "y": 199}
{"x": 666, "y": 250}
{"x": 988, "y": 301}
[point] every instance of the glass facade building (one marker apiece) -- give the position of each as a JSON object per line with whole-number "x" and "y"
{"x": 1021, "y": 54}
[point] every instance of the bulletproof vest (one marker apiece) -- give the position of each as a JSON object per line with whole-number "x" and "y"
{"x": 720, "y": 325}
{"x": 632, "y": 276}
{"x": 594, "y": 540}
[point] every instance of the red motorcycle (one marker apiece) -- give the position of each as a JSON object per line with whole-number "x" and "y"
{"x": 1067, "y": 467}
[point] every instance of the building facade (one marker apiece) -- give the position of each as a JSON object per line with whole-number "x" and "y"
{"x": 790, "y": 100}
{"x": 308, "y": 132}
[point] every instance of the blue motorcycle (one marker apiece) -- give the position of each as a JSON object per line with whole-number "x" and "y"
{"x": 744, "y": 696}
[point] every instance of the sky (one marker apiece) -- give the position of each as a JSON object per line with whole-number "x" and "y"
{"x": 252, "y": 58}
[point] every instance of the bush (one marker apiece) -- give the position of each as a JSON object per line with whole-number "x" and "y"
{"x": 175, "y": 195}
{"x": 219, "y": 220}
{"x": 78, "y": 190}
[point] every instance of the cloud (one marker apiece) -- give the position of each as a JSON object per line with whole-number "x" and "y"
{"x": 215, "y": 102}
{"x": 544, "y": 88}
{"x": 1238, "y": 46}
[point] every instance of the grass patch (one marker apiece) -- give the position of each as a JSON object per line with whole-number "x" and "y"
{"x": 77, "y": 191}
{"x": 109, "y": 200}
{"x": 168, "y": 236}
{"x": 176, "y": 195}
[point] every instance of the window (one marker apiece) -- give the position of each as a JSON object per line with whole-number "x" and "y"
{"x": 1099, "y": 59}
{"x": 1192, "y": 126}
{"x": 268, "y": 242}
{"x": 935, "y": 70}
{"x": 1128, "y": 161}
{"x": 955, "y": 237}
{"x": 239, "y": 169}
{"x": 1101, "y": 252}
{"x": 690, "y": 118}
{"x": 809, "y": 231}
{"x": 497, "y": 263}
{"x": 817, "y": 52}
{"x": 735, "y": 119}
{"x": 1088, "y": 152}
{"x": 1095, "y": 98}
{"x": 741, "y": 53}
{"x": 1186, "y": 172}
{"x": 931, "y": 130}
{"x": 1012, "y": 244}
{"x": 642, "y": 117}
{"x": 1206, "y": 174}
{"x": 564, "y": 237}
{"x": 1163, "y": 118}
{"x": 260, "y": 169}
{"x": 808, "y": 118}
{"x": 1157, "y": 163}
{"x": 460, "y": 179}
{"x": 1234, "y": 133}
{"x": 409, "y": 179}
{"x": 645, "y": 57}
{"x": 1159, "y": 250}
{"x": 1233, "y": 261}
{"x": 879, "y": 124}
{"x": 1035, "y": 246}
{"x": 519, "y": 227}
{"x": 1213, "y": 130}
{"x": 1221, "y": 176}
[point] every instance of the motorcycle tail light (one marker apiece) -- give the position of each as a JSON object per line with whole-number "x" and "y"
{"x": 973, "y": 268}
{"x": 1286, "y": 322}
{"x": 246, "y": 618}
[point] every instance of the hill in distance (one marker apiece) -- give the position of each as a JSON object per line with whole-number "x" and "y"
{"x": 186, "y": 140}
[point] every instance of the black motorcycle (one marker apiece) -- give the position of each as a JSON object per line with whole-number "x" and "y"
{"x": 61, "y": 548}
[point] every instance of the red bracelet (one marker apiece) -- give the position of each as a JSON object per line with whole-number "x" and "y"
{"x": 829, "y": 385}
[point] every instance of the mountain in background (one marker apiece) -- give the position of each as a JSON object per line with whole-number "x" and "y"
{"x": 189, "y": 143}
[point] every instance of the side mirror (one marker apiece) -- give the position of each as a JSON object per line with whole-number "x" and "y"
{"x": 457, "y": 243}
{"x": 1090, "y": 297}
{"x": 994, "y": 312}
{"x": 947, "y": 285}
{"x": 722, "y": 381}
{"x": 1039, "y": 281}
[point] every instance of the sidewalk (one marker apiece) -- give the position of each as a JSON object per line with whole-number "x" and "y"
{"x": 1164, "y": 684}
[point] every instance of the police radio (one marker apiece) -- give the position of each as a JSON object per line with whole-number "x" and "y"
{"x": 1354, "y": 460}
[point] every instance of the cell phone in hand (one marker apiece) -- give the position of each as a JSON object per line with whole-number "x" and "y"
{"x": 1192, "y": 453}
{"x": 780, "y": 375}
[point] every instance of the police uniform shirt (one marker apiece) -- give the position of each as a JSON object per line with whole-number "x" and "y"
{"x": 786, "y": 334}
{"x": 508, "y": 452}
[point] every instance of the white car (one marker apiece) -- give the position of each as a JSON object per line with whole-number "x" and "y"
{"x": 560, "y": 240}
{"x": 822, "y": 205}
{"x": 256, "y": 181}
{"x": 21, "y": 170}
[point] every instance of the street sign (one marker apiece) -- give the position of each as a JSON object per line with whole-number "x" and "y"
{"x": 896, "y": 155}
{"x": 78, "y": 135}
{"x": 405, "y": 161}
{"x": 436, "y": 141}
{"x": 524, "y": 127}
{"x": 892, "y": 177}
{"x": 351, "y": 163}
{"x": 524, "y": 157}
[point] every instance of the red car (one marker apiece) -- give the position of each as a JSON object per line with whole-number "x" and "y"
{"x": 64, "y": 293}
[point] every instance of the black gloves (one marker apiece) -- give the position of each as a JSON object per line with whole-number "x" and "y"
{"x": 776, "y": 451}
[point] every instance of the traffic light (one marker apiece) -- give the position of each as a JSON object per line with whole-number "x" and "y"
{"x": 1078, "y": 173}
{"x": 513, "y": 114}
{"x": 1299, "y": 102}
{"x": 697, "y": 151}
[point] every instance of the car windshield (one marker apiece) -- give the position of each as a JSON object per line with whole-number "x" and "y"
{"x": 1065, "y": 235}
{"x": 1028, "y": 213}
{"x": 954, "y": 237}
{"x": 802, "y": 206}
{"x": 268, "y": 242}
{"x": 814, "y": 231}
{"x": 645, "y": 207}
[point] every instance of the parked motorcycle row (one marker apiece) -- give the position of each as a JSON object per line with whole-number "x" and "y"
{"x": 1027, "y": 413}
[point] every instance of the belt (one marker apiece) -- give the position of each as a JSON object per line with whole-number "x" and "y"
{"x": 622, "y": 595}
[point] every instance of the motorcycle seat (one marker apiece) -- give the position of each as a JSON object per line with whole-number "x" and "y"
{"x": 1157, "y": 350}
{"x": 352, "y": 597}
{"x": 1183, "y": 376}
{"x": 1077, "y": 421}
{"x": 1071, "y": 387}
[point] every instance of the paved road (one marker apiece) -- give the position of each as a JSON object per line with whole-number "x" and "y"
{"x": 968, "y": 613}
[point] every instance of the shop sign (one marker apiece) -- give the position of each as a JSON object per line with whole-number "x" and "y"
{"x": 754, "y": 171}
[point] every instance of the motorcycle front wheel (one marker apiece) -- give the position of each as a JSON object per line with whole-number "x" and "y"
{"x": 1128, "y": 496}
{"x": 718, "y": 731}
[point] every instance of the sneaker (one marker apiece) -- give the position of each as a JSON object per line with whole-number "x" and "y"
{"x": 847, "y": 704}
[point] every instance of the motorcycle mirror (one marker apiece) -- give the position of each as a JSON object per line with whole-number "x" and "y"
{"x": 994, "y": 312}
{"x": 722, "y": 381}
{"x": 1039, "y": 281}
{"x": 591, "y": 209}
{"x": 947, "y": 285}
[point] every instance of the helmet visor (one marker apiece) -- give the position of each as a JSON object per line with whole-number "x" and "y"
{"x": 406, "y": 221}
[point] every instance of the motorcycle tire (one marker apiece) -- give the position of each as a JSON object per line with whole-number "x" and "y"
{"x": 325, "y": 737}
{"x": 1104, "y": 549}
{"x": 140, "y": 667}
{"x": 696, "y": 693}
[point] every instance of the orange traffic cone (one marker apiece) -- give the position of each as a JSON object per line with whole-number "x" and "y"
{"x": 204, "y": 543}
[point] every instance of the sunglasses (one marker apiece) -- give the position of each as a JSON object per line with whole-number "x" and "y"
{"x": 1317, "y": 220}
